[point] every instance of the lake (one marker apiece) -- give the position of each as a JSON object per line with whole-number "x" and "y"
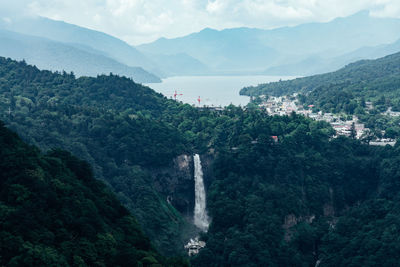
{"x": 213, "y": 90}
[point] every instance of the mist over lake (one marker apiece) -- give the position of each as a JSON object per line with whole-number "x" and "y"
{"x": 213, "y": 90}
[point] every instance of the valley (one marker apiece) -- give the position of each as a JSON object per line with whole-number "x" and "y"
{"x": 239, "y": 144}
{"x": 125, "y": 131}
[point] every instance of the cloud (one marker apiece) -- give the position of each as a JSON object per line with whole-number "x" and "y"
{"x": 13, "y": 9}
{"x": 138, "y": 21}
{"x": 216, "y": 6}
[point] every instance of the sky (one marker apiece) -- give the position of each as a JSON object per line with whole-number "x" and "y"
{"x": 143, "y": 21}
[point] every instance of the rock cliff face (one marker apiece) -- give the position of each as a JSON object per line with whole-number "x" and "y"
{"x": 207, "y": 161}
{"x": 176, "y": 182}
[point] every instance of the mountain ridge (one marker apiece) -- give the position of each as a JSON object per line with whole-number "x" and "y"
{"x": 252, "y": 49}
{"x": 69, "y": 33}
{"x": 56, "y": 56}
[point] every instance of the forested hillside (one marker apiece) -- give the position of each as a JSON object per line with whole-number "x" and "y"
{"x": 283, "y": 192}
{"x": 109, "y": 121}
{"x": 54, "y": 213}
{"x": 360, "y": 78}
{"x": 302, "y": 199}
{"x": 348, "y": 90}
{"x": 124, "y": 130}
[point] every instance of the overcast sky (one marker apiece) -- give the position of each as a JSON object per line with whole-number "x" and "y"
{"x": 140, "y": 21}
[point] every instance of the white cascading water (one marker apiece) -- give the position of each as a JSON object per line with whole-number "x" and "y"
{"x": 201, "y": 219}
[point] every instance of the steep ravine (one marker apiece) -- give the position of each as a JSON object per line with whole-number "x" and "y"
{"x": 175, "y": 184}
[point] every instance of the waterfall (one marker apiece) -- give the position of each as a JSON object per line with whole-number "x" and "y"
{"x": 201, "y": 219}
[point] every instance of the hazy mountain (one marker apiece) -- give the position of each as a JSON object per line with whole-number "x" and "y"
{"x": 372, "y": 52}
{"x": 307, "y": 45}
{"x": 227, "y": 50}
{"x": 69, "y": 33}
{"x": 179, "y": 64}
{"x": 366, "y": 78}
{"x": 109, "y": 46}
{"x": 57, "y": 56}
{"x": 301, "y": 50}
{"x": 316, "y": 64}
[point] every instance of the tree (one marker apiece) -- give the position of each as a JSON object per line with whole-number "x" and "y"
{"x": 353, "y": 131}
{"x": 367, "y": 136}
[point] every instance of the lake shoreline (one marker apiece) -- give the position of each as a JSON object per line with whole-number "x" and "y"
{"x": 214, "y": 91}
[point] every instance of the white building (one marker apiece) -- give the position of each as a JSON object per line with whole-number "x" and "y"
{"x": 194, "y": 246}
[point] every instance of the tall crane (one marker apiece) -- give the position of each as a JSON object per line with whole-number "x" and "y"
{"x": 176, "y": 94}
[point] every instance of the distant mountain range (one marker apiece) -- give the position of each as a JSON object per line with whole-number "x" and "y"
{"x": 101, "y": 52}
{"x": 316, "y": 64}
{"x": 77, "y": 36}
{"x": 52, "y": 55}
{"x": 301, "y": 50}
{"x": 61, "y": 46}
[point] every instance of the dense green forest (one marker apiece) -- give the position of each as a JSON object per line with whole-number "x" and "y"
{"x": 123, "y": 129}
{"x": 54, "y": 213}
{"x": 295, "y": 201}
{"x": 108, "y": 121}
{"x": 362, "y": 78}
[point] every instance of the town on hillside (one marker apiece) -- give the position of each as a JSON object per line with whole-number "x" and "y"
{"x": 343, "y": 124}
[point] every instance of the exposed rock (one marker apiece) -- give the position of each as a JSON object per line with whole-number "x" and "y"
{"x": 207, "y": 163}
{"x": 176, "y": 182}
{"x": 291, "y": 220}
{"x": 329, "y": 210}
{"x": 183, "y": 162}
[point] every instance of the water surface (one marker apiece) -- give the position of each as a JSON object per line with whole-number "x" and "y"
{"x": 213, "y": 90}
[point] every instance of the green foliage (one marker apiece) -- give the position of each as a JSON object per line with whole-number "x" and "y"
{"x": 54, "y": 213}
{"x": 289, "y": 201}
{"x": 112, "y": 123}
{"x": 260, "y": 187}
{"x": 365, "y": 77}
